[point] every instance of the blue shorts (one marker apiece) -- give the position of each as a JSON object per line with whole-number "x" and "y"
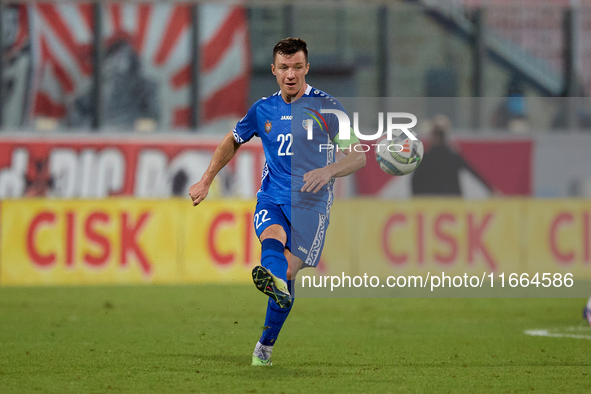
{"x": 305, "y": 234}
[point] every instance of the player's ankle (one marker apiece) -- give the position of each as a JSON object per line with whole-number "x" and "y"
{"x": 263, "y": 352}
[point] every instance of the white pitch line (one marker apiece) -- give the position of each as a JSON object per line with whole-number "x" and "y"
{"x": 547, "y": 333}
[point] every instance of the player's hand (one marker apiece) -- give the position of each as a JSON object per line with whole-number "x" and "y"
{"x": 316, "y": 179}
{"x": 199, "y": 191}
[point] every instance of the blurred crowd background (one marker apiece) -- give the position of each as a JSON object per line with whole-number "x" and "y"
{"x": 176, "y": 66}
{"x": 129, "y": 98}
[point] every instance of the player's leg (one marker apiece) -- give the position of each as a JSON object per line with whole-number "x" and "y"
{"x": 276, "y": 316}
{"x": 272, "y": 229}
{"x": 307, "y": 237}
{"x": 304, "y": 246}
{"x": 295, "y": 264}
{"x": 271, "y": 276}
{"x": 274, "y": 239}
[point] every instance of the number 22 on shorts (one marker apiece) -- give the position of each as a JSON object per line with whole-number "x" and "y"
{"x": 261, "y": 217}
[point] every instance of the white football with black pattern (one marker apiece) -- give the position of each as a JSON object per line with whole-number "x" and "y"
{"x": 400, "y": 155}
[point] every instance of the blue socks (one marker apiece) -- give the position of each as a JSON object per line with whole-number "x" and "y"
{"x": 276, "y": 317}
{"x": 273, "y": 259}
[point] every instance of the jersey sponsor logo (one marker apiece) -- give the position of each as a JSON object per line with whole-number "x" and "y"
{"x": 268, "y": 126}
{"x": 286, "y": 117}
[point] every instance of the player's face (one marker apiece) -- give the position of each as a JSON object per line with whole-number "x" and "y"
{"x": 290, "y": 71}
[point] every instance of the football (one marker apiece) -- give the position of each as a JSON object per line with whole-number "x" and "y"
{"x": 399, "y": 156}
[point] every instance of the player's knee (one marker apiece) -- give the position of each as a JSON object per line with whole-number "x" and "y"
{"x": 274, "y": 231}
{"x": 294, "y": 265}
{"x": 292, "y": 272}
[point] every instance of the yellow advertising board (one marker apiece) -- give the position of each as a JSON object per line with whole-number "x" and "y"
{"x": 559, "y": 236}
{"x": 88, "y": 242}
{"x": 422, "y": 235}
{"x": 220, "y": 244}
{"x": 80, "y": 242}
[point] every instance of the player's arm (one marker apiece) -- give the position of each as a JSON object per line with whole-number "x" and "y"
{"x": 316, "y": 179}
{"x": 222, "y": 155}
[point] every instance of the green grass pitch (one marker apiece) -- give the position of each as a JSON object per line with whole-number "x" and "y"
{"x": 200, "y": 339}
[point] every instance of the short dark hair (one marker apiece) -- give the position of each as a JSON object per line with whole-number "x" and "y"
{"x": 290, "y": 46}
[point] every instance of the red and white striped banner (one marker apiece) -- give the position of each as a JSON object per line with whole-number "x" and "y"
{"x": 145, "y": 67}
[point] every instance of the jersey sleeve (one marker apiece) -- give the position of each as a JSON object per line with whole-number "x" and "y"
{"x": 246, "y": 128}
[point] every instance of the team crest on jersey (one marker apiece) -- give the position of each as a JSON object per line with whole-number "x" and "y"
{"x": 268, "y": 126}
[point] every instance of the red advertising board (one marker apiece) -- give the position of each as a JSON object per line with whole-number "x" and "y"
{"x": 96, "y": 168}
{"x": 506, "y": 165}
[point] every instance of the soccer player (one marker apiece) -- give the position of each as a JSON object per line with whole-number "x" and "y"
{"x": 297, "y": 180}
{"x": 587, "y": 311}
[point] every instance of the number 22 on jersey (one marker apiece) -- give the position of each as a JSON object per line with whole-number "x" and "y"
{"x": 285, "y": 147}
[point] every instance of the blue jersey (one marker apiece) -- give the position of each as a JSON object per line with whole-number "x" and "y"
{"x": 283, "y": 130}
